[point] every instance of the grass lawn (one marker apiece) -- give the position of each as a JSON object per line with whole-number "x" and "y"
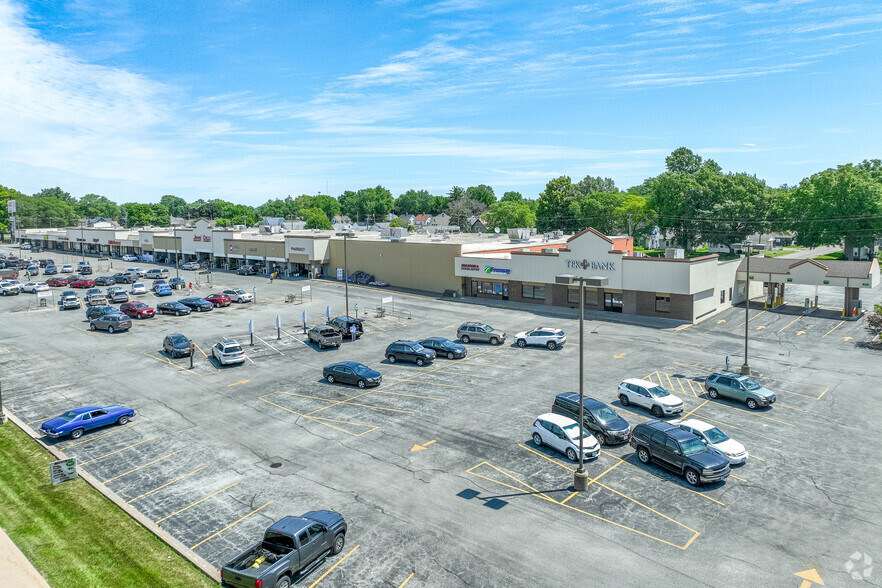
{"x": 834, "y": 255}
{"x": 72, "y": 534}
{"x": 777, "y": 252}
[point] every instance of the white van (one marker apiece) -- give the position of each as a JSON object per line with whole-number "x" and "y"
{"x": 157, "y": 274}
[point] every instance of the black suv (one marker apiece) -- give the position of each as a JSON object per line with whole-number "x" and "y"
{"x": 101, "y": 310}
{"x": 602, "y": 421}
{"x": 678, "y": 450}
{"x": 344, "y": 324}
{"x": 85, "y": 270}
{"x": 409, "y": 351}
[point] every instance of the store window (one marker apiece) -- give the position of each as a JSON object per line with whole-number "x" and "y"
{"x": 662, "y": 302}
{"x": 590, "y": 296}
{"x": 722, "y": 296}
{"x": 535, "y": 292}
{"x": 730, "y": 294}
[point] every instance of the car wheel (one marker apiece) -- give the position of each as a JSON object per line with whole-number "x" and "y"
{"x": 449, "y": 355}
{"x": 76, "y": 433}
{"x": 140, "y": 317}
{"x": 494, "y": 341}
{"x": 601, "y": 438}
{"x": 692, "y": 477}
{"x": 339, "y": 542}
{"x": 391, "y": 359}
{"x": 321, "y": 345}
{"x": 465, "y": 339}
{"x": 657, "y": 412}
{"x": 643, "y": 455}
{"x": 123, "y": 419}
{"x": 93, "y": 327}
{"x": 551, "y": 345}
{"x": 752, "y": 404}
{"x": 110, "y": 329}
{"x": 571, "y": 454}
{"x": 177, "y": 313}
{"x": 420, "y": 361}
{"x": 284, "y": 582}
{"x": 330, "y": 379}
{"x": 537, "y": 439}
{"x": 362, "y": 383}
{"x": 624, "y": 400}
{"x": 522, "y": 343}
{"x": 199, "y": 309}
{"x": 712, "y": 392}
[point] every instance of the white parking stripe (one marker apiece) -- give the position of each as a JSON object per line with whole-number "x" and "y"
{"x": 270, "y": 346}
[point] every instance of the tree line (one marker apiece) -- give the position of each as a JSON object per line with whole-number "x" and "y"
{"x": 693, "y": 201}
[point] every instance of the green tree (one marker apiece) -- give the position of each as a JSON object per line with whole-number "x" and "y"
{"x": 396, "y": 222}
{"x": 45, "y": 211}
{"x": 510, "y": 215}
{"x": 161, "y": 217}
{"x": 329, "y": 204}
{"x": 462, "y": 209}
{"x": 368, "y": 204}
{"x": 134, "y": 214}
{"x": 741, "y": 205}
{"x": 7, "y": 194}
{"x": 176, "y": 205}
{"x": 316, "y": 219}
{"x": 511, "y": 197}
{"x": 482, "y": 193}
{"x": 683, "y": 161}
{"x": 95, "y": 206}
{"x": 835, "y": 205}
{"x": 419, "y": 202}
{"x": 552, "y": 209}
{"x": 456, "y": 193}
{"x": 590, "y": 185}
{"x": 57, "y": 193}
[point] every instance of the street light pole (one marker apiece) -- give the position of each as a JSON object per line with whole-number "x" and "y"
{"x": 580, "y": 479}
{"x": 177, "y": 252}
{"x": 345, "y": 273}
{"x": 83, "y": 243}
{"x": 745, "y": 367}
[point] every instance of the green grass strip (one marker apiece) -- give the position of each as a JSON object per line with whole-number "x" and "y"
{"x": 74, "y": 535}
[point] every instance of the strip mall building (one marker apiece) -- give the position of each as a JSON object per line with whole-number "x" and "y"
{"x": 524, "y": 269}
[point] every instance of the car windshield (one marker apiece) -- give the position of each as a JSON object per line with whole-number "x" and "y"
{"x": 487, "y": 329}
{"x": 418, "y": 347}
{"x": 361, "y": 370}
{"x": 138, "y": 305}
{"x": 447, "y": 344}
{"x": 239, "y": 292}
{"x": 658, "y": 392}
{"x": 605, "y": 414}
{"x": 692, "y": 446}
{"x": 750, "y": 384}
{"x": 572, "y": 431}
{"x": 715, "y": 435}
{"x": 68, "y": 416}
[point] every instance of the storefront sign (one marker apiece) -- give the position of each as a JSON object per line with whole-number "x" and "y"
{"x": 298, "y": 248}
{"x": 63, "y": 470}
{"x": 472, "y": 267}
{"x": 197, "y": 237}
{"x": 489, "y": 269}
{"x": 63, "y": 239}
{"x": 252, "y": 249}
{"x": 78, "y": 239}
{"x": 595, "y": 265}
{"x": 113, "y": 243}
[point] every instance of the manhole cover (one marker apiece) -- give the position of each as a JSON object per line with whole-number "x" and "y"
{"x": 275, "y": 465}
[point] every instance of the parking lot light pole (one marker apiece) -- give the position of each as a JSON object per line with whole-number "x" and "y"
{"x": 346, "y": 272}
{"x": 177, "y": 253}
{"x": 580, "y": 478}
{"x": 748, "y": 246}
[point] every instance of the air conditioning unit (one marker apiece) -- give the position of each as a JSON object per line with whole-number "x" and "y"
{"x": 548, "y": 250}
{"x": 674, "y": 253}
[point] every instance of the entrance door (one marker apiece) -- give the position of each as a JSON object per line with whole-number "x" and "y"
{"x": 612, "y": 301}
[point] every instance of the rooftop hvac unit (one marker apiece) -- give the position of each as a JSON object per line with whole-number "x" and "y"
{"x": 674, "y": 253}
{"x": 548, "y": 250}
{"x": 519, "y": 235}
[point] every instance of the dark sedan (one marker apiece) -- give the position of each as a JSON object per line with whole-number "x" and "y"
{"x": 105, "y": 281}
{"x": 177, "y": 283}
{"x": 197, "y": 304}
{"x": 50, "y": 270}
{"x": 79, "y": 420}
{"x": 350, "y": 372}
{"x": 175, "y": 308}
{"x": 445, "y": 347}
{"x": 177, "y": 345}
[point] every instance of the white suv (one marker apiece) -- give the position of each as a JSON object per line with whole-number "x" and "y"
{"x": 562, "y": 433}
{"x": 547, "y": 336}
{"x": 227, "y": 352}
{"x": 650, "y": 396}
{"x": 239, "y": 295}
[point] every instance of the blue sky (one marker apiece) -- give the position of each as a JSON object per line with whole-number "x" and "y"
{"x": 254, "y": 100}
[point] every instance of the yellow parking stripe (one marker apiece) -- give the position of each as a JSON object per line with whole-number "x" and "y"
{"x": 131, "y": 424}
{"x": 118, "y": 450}
{"x": 166, "y": 484}
{"x": 739, "y": 428}
{"x": 141, "y": 467}
{"x": 195, "y": 503}
{"x": 322, "y": 577}
{"x": 678, "y": 485}
{"x": 234, "y": 523}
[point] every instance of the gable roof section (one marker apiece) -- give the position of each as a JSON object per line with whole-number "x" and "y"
{"x": 835, "y": 268}
{"x": 590, "y": 230}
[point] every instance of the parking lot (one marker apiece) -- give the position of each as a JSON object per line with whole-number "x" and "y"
{"x": 435, "y": 469}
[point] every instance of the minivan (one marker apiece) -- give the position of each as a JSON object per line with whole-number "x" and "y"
{"x": 157, "y": 274}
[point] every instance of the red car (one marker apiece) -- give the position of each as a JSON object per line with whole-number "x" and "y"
{"x": 82, "y": 283}
{"x": 137, "y": 310}
{"x": 59, "y": 281}
{"x": 219, "y": 299}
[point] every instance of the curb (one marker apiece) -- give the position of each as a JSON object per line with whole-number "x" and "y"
{"x": 163, "y": 535}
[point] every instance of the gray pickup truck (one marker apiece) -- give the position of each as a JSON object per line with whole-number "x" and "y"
{"x": 325, "y": 336}
{"x": 288, "y": 549}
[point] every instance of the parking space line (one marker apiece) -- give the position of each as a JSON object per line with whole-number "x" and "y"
{"x": 787, "y": 406}
{"x": 142, "y": 467}
{"x": 233, "y": 524}
{"x": 322, "y": 421}
{"x": 381, "y": 391}
{"x": 790, "y": 323}
{"x": 740, "y": 429}
{"x": 822, "y": 393}
{"x": 342, "y": 559}
{"x": 694, "y": 393}
{"x": 737, "y": 478}
{"x": 833, "y": 329}
{"x": 670, "y": 383}
{"x": 166, "y": 484}
{"x": 170, "y": 362}
{"x": 268, "y": 345}
{"x": 347, "y": 402}
{"x": 195, "y": 503}
{"x": 751, "y": 318}
{"x": 117, "y": 430}
{"x": 56, "y": 401}
{"x": 118, "y": 450}
{"x": 605, "y": 472}
{"x": 693, "y": 410}
{"x": 406, "y": 580}
{"x": 777, "y": 389}
{"x": 506, "y": 474}
{"x": 676, "y": 483}
{"x": 754, "y": 414}
{"x": 200, "y": 350}
{"x": 564, "y": 501}
{"x": 756, "y": 457}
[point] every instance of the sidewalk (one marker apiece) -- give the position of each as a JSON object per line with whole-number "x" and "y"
{"x": 15, "y": 569}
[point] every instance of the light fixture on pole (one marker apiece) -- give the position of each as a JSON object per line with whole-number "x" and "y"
{"x": 580, "y": 479}
{"x": 747, "y": 246}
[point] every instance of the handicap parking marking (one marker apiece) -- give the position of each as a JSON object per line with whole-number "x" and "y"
{"x": 233, "y": 524}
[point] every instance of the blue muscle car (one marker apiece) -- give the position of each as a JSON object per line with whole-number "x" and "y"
{"x": 79, "y": 420}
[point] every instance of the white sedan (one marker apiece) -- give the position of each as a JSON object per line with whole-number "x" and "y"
{"x": 34, "y": 287}
{"x": 138, "y": 288}
{"x": 67, "y": 269}
{"x": 190, "y": 265}
{"x": 716, "y": 440}
{"x": 545, "y": 336}
{"x": 129, "y": 257}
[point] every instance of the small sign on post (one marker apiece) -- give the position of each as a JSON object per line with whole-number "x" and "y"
{"x": 63, "y": 470}
{"x": 727, "y": 363}
{"x": 278, "y": 327}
